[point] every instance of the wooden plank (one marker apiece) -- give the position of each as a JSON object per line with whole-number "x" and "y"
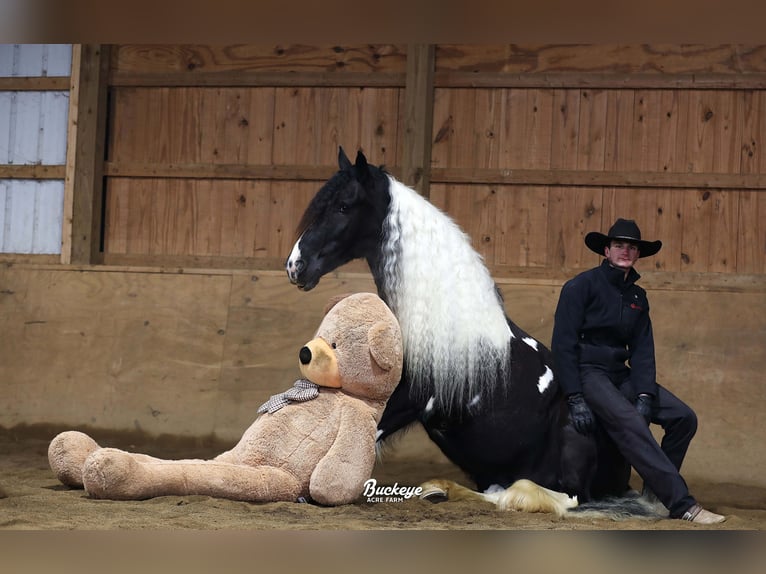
{"x": 116, "y": 213}
{"x": 682, "y": 132}
{"x": 538, "y": 128}
{"x": 646, "y": 134}
{"x": 650, "y": 59}
{"x": 487, "y": 144}
{"x": 34, "y": 84}
{"x": 418, "y": 118}
{"x": 595, "y": 80}
{"x": 443, "y": 128}
{"x": 85, "y": 145}
{"x": 258, "y": 123}
{"x": 724, "y": 232}
{"x": 558, "y": 177}
{"x": 307, "y": 172}
{"x": 33, "y": 171}
{"x": 751, "y": 233}
{"x": 572, "y": 177}
{"x": 619, "y": 131}
{"x": 753, "y": 131}
{"x": 667, "y": 158}
{"x": 703, "y": 114}
{"x": 591, "y": 142}
{"x": 515, "y": 111}
{"x": 565, "y": 129}
{"x": 727, "y": 147}
{"x": 258, "y": 79}
{"x": 199, "y": 59}
{"x": 696, "y": 222}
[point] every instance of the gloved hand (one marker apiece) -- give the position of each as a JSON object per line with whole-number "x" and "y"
{"x": 644, "y": 406}
{"x": 579, "y": 411}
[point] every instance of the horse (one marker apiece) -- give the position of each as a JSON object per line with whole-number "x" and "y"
{"x": 483, "y": 389}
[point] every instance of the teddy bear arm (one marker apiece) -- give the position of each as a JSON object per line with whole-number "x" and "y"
{"x": 339, "y": 477}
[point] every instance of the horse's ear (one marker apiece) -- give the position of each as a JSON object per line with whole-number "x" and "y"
{"x": 361, "y": 162}
{"x": 362, "y": 171}
{"x": 343, "y": 162}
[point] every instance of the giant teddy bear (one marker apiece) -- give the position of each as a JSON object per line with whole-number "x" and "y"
{"x": 315, "y": 441}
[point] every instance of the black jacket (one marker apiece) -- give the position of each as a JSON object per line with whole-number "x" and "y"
{"x": 603, "y": 320}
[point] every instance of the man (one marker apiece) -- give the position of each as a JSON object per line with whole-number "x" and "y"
{"x": 601, "y": 321}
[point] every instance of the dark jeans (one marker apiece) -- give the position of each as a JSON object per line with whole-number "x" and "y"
{"x": 658, "y": 465}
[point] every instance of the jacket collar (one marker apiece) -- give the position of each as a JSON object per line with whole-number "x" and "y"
{"x": 615, "y": 275}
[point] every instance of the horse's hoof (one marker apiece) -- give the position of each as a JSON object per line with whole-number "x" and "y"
{"x": 434, "y": 494}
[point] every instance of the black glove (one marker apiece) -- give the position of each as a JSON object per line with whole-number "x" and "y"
{"x": 644, "y": 406}
{"x": 580, "y": 413}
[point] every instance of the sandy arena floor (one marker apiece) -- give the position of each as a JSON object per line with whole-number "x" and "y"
{"x": 32, "y": 498}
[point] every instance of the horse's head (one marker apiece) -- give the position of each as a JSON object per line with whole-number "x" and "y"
{"x": 342, "y": 222}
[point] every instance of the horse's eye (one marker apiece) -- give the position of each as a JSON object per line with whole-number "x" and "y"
{"x": 343, "y": 208}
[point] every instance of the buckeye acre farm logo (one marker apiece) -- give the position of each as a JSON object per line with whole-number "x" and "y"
{"x": 393, "y": 493}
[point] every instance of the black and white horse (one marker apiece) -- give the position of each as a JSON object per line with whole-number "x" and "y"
{"x": 482, "y": 388}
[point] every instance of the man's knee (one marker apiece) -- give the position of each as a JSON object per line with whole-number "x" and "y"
{"x": 689, "y": 422}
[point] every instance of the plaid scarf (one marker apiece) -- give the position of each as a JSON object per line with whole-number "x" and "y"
{"x": 302, "y": 390}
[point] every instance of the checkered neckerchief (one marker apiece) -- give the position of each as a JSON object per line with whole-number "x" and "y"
{"x": 302, "y": 390}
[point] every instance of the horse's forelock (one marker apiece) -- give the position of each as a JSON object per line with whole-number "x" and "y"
{"x": 321, "y": 200}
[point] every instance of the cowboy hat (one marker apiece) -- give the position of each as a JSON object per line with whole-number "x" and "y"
{"x": 625, "y": 230}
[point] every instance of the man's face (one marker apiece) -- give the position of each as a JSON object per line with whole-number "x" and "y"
{"x": 621, "y": 254}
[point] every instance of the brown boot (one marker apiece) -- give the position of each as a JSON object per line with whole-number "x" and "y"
{"x": 701, "y": 516}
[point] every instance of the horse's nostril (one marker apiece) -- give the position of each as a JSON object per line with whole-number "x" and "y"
{"x": 300, "y": 265}
{"x": 305, "y": 356}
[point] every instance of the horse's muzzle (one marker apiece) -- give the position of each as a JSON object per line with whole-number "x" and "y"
{"x": 294, "y": 268}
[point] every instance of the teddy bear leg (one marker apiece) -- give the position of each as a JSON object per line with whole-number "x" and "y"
{"x": 116, "y": 475}
{"x": 66, "y": 456}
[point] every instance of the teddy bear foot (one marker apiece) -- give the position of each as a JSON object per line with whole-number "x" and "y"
{"x": 66, "y": 456}
{"x": 113, "y": 474}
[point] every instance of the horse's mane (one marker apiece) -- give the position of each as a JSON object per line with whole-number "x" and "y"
{"x": 455, "y": 332}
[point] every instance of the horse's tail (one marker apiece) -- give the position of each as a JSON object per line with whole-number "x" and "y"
{"x": 620, "y": 508}
{"x": 527, "y": 496}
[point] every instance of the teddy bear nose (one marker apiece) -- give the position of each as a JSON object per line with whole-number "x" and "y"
{"x": 305, "y": 356}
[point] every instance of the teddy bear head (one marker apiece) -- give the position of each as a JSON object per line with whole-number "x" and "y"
{"x": 357, "y": 348}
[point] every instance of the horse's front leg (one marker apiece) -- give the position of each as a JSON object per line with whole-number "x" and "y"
{"x": 400, "y": 412}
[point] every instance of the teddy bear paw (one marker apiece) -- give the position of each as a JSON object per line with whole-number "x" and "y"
{"x": 109, "y": 473}
{"x": 66, "y": 456}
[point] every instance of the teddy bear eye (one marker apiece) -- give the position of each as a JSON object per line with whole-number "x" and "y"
{"x": 334, "y": 345}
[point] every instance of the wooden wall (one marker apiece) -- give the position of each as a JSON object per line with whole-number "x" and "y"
{"x": 194, "y": 354}
{"x": 214, "y": 151}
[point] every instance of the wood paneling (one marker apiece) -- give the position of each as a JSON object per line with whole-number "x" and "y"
{"x": 230, "y": 218}
{"x": 194, "y": 354}
{"x": 531, "y": 146}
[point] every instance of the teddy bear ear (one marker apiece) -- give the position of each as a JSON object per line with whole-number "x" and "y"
{"x": 334, "y": 300}
{"x": 382, "y": 338}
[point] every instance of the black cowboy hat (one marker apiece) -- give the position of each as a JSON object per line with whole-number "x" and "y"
{"x": 626, "y": 230}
